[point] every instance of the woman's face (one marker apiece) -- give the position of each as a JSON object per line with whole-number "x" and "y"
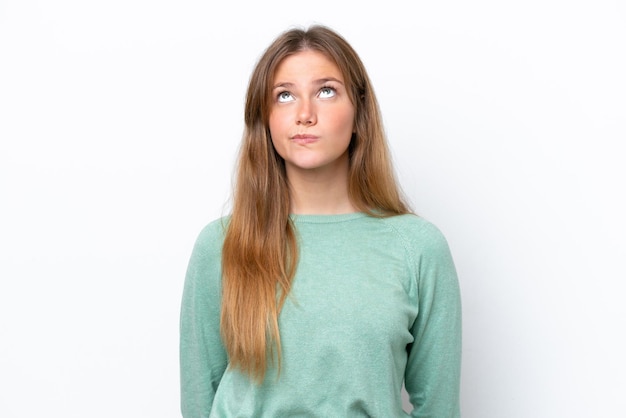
{"x": 311, "y": 118}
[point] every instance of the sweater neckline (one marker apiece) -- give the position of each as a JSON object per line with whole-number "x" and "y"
{"x": 319, "y": 219}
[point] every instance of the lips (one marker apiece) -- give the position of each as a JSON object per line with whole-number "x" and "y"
{"x": 304, "y": 139}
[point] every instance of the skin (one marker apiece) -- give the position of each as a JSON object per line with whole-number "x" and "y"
{"x": 311, "y": 123}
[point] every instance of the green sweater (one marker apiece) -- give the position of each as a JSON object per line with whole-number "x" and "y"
{"x": 374, "y": 302}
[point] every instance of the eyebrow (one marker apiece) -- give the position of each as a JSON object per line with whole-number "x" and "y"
{"x": 315, "y": 82}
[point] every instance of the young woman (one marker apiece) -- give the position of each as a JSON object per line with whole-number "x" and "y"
{"x": 321, "y": 293}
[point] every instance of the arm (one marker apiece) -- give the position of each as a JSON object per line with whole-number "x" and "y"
{"x": 202, "y": 356}
{"x": 432, "y": 376}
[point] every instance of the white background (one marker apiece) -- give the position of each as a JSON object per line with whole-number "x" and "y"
{"x": 119, "y": 124}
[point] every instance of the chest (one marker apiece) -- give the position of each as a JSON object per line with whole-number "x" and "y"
{"x": 350, "y": 292}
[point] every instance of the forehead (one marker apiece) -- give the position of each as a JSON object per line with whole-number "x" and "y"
{"x": 306, "y": 64}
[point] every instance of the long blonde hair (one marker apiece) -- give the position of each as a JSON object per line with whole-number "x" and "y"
{"x": 260, "y": 251}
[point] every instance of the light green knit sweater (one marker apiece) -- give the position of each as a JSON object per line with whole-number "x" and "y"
{"x": 374, "y": 302}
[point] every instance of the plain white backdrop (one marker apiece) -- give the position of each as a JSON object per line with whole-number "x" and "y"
{"x": 119, "y": 126}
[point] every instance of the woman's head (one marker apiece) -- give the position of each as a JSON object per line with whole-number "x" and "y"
{"x": 368, "y": 152}
{"x": 316, "y": 38}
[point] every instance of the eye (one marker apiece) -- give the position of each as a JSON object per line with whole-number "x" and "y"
{"x": 284, "y": 96}
{"x": 326, "y": 92}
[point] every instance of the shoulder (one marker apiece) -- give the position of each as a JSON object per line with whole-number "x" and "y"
{"x": 426, "y": 246}
{"x": 428, "y": 252}
{"x": 417, "y": 232}
{"x": 204, "y": 267}
{"x": 216, "y": 227}
{"x": 211, "y": 237}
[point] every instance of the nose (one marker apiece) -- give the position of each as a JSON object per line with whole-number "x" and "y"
{"x": 306, "y": 113}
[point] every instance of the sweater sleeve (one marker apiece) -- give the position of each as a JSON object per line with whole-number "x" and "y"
{"x": 432, "y": 375}
{"x": 202, "y": 355}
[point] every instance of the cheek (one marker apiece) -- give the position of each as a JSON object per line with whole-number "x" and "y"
{"x": 275, "y": 128}
{"x": 276, "y": 124}
{"x": 271, "y": 123}
{"x": 344, "y": 122}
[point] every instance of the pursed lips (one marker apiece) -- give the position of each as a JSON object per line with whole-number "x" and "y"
{"x": 304, "y": 139}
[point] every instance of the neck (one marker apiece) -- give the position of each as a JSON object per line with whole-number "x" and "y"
{"x": 321, "y": 191}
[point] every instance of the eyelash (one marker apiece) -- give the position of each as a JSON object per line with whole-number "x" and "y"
{"x": 324, "y": 87}
{"x": 331, "y": 88}
{"x": 280, "y": 94}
